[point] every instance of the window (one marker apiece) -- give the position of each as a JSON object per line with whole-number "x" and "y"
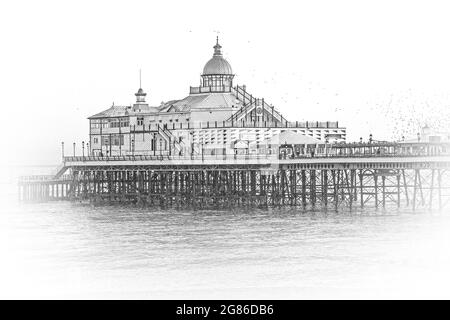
{"x": 117, "y": 140}
{"x": 114, "y": 123}
{"x": 95, "y": 124}
{"x": 95, "y": 140}
{"x": 140, "y": 121}
{"x": 105, "y": 140}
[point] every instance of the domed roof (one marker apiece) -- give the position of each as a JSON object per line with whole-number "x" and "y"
{"x": 217, "y": 64}
{"x": 140, "y": 92}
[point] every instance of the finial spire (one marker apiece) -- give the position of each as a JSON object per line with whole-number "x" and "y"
{"x": 217, "y": 48}
{"x": 140, "y": 95}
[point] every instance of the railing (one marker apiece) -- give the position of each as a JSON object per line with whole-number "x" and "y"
{"x": 272, "y": 155}
{"x": 43, "y": 178}
{"x": 274, "y": 112}
{"x": 249, "y": 102}
{"x": 247, "y": 99}
{"x": 362, "y": 155}
{"x": 243, "y": 95}
{"x": 353, "y": 150}
{"x": 167, "y": 134}
{"x": 230, "y": 123}
{"x": 171, "y": 157}
{"x": 266, "y": 124}
{"x": 242, "y": 157}
{"x": 211, "y": 89}
{"x": 367, "y": 149}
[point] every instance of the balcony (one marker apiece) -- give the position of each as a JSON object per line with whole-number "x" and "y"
{"x": 215, "y": 89}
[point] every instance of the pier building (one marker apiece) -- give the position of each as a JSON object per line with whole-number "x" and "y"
{"x": 221, "y": 147}
{"x": 427, "y": 134}
{"x": 216, "y": 117}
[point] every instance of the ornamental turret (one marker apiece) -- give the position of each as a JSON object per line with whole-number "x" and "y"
{"x": 140, "y": 104}
{"x": 217, "y": 73}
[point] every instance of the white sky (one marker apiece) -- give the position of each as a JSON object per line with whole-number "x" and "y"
{"x": 378, "y": 67}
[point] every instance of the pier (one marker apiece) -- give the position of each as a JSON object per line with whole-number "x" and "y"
{"x": 221, "y": 146}
{"x": 348, "y": 175}
{"x": 44, "y": 188}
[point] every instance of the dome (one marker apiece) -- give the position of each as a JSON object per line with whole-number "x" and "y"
{"x": 217, "y": 64}
{"x": 140, "y": 96}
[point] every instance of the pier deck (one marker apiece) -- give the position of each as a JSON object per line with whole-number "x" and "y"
{"x": 350, "y": 175}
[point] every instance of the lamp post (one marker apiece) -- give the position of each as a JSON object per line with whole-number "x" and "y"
{"x": 361, "y": 149}
{"x": 192, "y": 144}
{"x": 62, "y": 150}
{"x": 110, "y": 144}
{"x": 87, "y": 149}
{"x": 154, "y": 144}
{"x": 82, "y": 148}
{"x": 74, "y": 149}
{"x": 170, "y": 146}
{"x": 203, "y": 158}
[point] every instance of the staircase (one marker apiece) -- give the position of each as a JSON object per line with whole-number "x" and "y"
{"x": 170, "y": 138}
{"x": 247, "y": 100}
{"x": 60, "y": 170}
{"x": 250, "y": 102}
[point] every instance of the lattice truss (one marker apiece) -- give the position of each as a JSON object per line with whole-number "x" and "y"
{"x": 219, "y": 186}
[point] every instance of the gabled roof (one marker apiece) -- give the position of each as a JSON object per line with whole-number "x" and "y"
{"x": 204, "y": 101}
{"x": 291, "y": 137}
{"x": 192, "y": 102}
{"x": 241, "y": 144}
{"x": 114, "y": 111}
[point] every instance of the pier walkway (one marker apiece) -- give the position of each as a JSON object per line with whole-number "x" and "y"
{"x": 379, "y": 174}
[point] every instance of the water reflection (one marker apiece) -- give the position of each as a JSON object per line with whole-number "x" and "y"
{"x": 65, "y": 250}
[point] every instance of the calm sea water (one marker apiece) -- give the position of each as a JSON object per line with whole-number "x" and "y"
{"x": 64, "y": 250}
